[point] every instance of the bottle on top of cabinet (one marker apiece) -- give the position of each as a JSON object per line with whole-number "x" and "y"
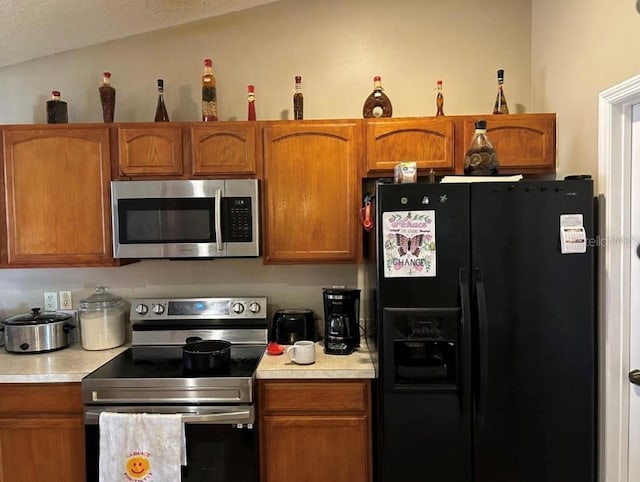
{"x": 298, "y": 99}
{"x": 209, "y": 93}
{"x": 500, "y": 105}
{"x": 251, "y": 103}
{"x": 161, "y": 110}
{"x": 101, "y": 320}
{"x": 377, "y": 104}
{"x": 439, "y": 99}
{"x": 107, "y": 98}
{"x": 56, "y": 109}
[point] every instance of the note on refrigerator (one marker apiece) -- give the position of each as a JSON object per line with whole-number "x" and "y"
{"x": 573, "y": 238}
{"x": 409, "y": 244}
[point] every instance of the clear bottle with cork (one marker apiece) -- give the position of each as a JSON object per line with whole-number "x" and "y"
{"x": 500, "y": 106}
{"x": 298, "y": 99}
{"x": 161, "y": 110}
{"x": 107, "y": 97}
{"x": 209, "y": 93}
{"x": 251, "y": 103}
{"x": 377, "y": 103}
{"x": 56, "y": 109}
{"x": 439, "y": 99}
{"x": 481, "y": 158}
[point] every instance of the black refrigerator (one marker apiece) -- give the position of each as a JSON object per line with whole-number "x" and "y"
{"x": 485, "y": 332}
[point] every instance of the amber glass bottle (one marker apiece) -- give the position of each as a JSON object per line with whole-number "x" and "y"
{"x": 56, "y": 109}
{"x": 439, "y": 99}
{"x": 481, "y": 158}
{"x": 161, "y": 110}
{"x": 298, "y": 99}
{"x": 377, "y": 104}
{"x": 107, "y": 98}
{"x": 500, "y": 106}
{"x": 209, "y": 94}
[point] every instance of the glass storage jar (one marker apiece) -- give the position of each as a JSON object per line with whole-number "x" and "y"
{"x": 101, "y": 320}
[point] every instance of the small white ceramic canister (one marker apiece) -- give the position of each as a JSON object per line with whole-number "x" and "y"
{"x": 101, "y": 320}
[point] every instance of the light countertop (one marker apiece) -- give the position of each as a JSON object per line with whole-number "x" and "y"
{"x": 356, "y": 365}
{"x": 69, "y": 364}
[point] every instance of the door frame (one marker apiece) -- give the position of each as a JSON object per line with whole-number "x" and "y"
{"x": 614, "y": 188}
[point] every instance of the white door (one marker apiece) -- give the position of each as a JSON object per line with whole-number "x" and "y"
{"x": 634, "y": 336}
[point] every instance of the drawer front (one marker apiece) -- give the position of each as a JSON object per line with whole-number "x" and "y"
{"x": 315, "y": 396}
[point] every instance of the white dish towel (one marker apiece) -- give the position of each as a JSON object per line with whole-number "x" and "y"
{"x": 141, "y": 447}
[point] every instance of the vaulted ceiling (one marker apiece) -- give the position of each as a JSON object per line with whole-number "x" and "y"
{"x": 30, "y": 29}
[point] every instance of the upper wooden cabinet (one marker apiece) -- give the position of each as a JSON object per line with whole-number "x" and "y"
{"x": 186, "y": 150}
{"x": 224, "y": 148}
{"x": 149, "y": 149}
{"x": 525, "y": 143}
{"x": 56, "y": 196}
{"x": 427, "y": 141}
{"x": 312, "y": 189}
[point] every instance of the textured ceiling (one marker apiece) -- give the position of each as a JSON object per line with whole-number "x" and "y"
{"x": 35, "y": 28}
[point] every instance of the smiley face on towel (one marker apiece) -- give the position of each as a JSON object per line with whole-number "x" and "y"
{"x": 138, "y": 467}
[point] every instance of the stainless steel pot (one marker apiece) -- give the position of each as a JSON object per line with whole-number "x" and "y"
{"x": 37, "y": 332}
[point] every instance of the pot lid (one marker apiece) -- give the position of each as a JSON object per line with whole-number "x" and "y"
{"x": 100, "y": 299}
{"x": 37, "y": 318}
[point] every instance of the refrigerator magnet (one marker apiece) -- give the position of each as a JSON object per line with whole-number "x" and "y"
{"x": 573, "y": 238}
{"x": 409, "y": 247}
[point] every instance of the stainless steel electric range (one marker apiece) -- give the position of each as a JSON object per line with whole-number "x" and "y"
{"x": 150, "y": 376}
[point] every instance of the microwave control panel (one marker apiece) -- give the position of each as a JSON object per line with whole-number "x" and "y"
{"x": 237, "y": 220}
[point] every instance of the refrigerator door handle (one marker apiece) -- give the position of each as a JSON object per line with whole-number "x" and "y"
{"x": 465, "y": 326}
{"x": 483, "y": 344}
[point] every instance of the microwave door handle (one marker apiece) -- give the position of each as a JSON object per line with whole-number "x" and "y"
{"x": 218, "y": 220}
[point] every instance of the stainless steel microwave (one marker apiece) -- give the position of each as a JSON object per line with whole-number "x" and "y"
{"x": 185, "y": 219}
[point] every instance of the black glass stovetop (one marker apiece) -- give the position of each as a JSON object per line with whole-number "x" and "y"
{"x": 166, "y": 362}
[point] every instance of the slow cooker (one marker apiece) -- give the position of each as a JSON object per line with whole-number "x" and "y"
{"x": 37, "y": 332}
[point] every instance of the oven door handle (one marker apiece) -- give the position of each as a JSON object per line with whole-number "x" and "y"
{"x": 237, "y": 417}
{"x": 218, "y": 220}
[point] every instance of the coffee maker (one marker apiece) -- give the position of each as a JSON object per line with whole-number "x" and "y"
{"x": 341, "y": 320}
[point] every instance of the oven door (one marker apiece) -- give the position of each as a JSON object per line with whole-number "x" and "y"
{"x": 222, "y": 444}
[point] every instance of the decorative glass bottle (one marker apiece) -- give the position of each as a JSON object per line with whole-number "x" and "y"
{"x": 107, "y": 98}
{"x": 377, "y": 104}
{"x": 298, "y": 99}
{"x": 56, "y": 109}
{"x": 439, "y": 99}
{"x": 251, "y": 103}
{"x": 481, "y": 158}
{"x": 161, "y": 110}
{"x": 500, "y": 106}
{"x": 209, "y": 94}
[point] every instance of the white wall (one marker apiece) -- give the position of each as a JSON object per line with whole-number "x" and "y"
{"x": 579, "y": 49}
{"x": 336, "y": 45}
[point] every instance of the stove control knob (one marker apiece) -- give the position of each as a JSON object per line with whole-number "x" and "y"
{"x": 158, "y": 309}
{"x": 142, "y": 309}
{"x": 254, "y": 307}
{"x": 237, "y": 308}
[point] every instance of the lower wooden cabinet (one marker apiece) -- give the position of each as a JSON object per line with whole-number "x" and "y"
{"x": 315, "y": 431}
{"x": 41, "y": 433}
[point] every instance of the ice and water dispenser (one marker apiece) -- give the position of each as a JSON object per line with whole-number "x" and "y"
{"x": 424, "y": 347}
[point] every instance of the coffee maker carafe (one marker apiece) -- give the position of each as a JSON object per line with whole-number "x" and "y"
{"x": 341, "y": 320}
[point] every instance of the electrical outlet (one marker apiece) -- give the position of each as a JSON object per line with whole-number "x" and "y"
{"x": 50, "y": 301}
{"x": 65, "y": 300}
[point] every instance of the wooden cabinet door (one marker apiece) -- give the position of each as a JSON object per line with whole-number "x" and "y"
{"x": 316, "y": 448}
{"x": 150, "y": 150}
{"x": 57, "y": 196}
{"x": 427, "y": 141}
{"x": 224, "y": 149}
{"x": 42, "y": 433}
{"x": 315, "y": 430}
{"x": 525, "y": 143}
{"x": 311, "y": 191}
